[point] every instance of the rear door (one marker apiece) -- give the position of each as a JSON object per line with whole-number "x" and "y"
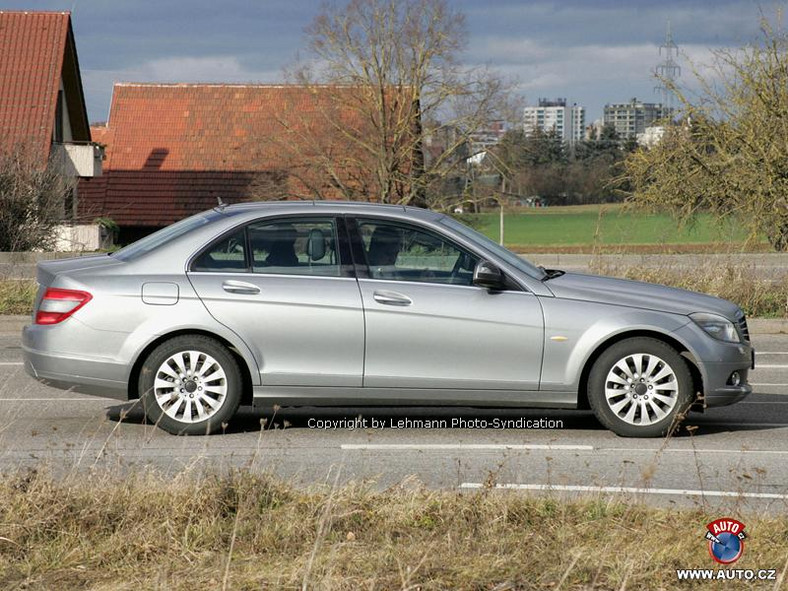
{"x": 428, "y": 326}
{"x": 286, "y": 287}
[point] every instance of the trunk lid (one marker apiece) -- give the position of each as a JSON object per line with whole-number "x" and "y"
{"x": 48, "y": 271}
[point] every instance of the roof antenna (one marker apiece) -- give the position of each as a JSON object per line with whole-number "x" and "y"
{"x": 220, "y": 203}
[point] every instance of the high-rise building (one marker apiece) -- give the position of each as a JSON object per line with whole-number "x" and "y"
{"x": 632, "y": 118}
{"x": 568, "y": 122}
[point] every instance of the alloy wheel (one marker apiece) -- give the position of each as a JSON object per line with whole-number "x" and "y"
{"x": 641, "y": 389}
{"x": 190, "y": 386}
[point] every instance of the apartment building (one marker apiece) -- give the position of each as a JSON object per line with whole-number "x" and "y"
{"x": 567, "y": 121}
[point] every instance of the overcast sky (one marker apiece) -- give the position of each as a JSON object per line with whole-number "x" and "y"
{"x": 590, "y": 51}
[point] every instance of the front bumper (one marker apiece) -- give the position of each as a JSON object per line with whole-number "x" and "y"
{"x": 717, "y": 392}
{"x": 716, "y": 361}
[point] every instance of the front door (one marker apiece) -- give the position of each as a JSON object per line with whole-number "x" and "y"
{"x": 429, "y": 327}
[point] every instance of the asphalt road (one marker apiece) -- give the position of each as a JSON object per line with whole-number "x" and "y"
{"x": 734, "y": 456}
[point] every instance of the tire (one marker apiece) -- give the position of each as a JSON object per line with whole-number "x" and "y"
{"x": 640, "y": 387}
{"x": 206, "y": 385}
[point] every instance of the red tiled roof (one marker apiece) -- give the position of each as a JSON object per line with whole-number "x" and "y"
{"x": 32, "y": 50}
{"x": 172, "y": 149}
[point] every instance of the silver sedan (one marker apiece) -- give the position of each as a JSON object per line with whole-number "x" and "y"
{"x": 348, "y": 304}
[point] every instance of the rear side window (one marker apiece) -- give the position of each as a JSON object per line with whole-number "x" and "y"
{"x": 295, "y": 247}
{"x": 285, "y": 247}
{"x": 228, "y": 254}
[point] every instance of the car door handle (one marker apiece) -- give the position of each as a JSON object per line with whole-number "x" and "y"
{"x": 240, "y": 287}
{"x": 391, "y": 298}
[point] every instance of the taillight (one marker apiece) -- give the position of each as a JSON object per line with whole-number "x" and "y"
{"x": 59, "y": 304}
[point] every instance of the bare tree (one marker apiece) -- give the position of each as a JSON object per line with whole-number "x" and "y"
{"x": 728, "y": 154}
{"x": 378, "y": 69}
{"x": 32, "y": 200}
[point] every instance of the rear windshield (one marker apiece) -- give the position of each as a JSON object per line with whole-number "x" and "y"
{"x": 162, "y": 237}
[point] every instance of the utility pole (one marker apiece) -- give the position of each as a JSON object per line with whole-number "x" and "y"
{"x": 500, "y": 203}
{"x": 667, "y": 71}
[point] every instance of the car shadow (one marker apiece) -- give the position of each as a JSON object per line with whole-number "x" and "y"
{"x": 249, "y": 419}
{"x": 252, "y": 420}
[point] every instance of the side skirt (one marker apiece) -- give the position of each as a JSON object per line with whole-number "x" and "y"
{"x": 267, "y": 396}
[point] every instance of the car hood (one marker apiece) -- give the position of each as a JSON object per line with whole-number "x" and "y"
{"x": 638, "y": 294}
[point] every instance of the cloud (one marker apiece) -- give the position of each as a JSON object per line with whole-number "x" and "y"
{"x": 98, "y": 84}
{"x": 203, "y": 69}
{"x": 589, "y": 74}
{"x": 582, "y": 22}
{"x": 592, "y": 51}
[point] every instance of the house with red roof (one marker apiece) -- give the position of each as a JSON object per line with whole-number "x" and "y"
{"x": 42, "y": 108}
{"x": 172, "y": 150}
{"x": 42, "y": 105}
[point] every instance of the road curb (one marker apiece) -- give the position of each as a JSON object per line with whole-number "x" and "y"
{"x": 13, "y": 324}
{"x": 758, "y": 326}
{"x": 767, "y": 325}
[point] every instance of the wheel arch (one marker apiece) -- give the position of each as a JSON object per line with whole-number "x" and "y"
{"x": 683, "y": 350}
{"x": 134, "y": 374}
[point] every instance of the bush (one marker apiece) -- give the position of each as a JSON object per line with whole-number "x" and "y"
{"x": 32, "y": 199}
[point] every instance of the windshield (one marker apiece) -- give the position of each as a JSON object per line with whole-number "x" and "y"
{"x": 163, "y": 236}
{"x": 507, "y": 255}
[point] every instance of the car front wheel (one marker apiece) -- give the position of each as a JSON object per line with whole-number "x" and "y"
{"x": 190, "y": 385}
{"x": 640, "y": 387}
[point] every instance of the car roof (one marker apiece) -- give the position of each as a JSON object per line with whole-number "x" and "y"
{"x": 343, "y": 206}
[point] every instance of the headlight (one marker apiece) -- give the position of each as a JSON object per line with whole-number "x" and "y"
{"x": 717, "y": 326}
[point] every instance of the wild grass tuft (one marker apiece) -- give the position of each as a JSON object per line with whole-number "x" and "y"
{"x": 17, "y": 296}
{"x": 757, "y": 294}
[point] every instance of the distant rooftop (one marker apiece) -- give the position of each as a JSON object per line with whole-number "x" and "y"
{"x": 557, "y": 102}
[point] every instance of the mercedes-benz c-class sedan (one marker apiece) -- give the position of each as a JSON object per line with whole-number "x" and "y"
{"x": 348, "y": 304}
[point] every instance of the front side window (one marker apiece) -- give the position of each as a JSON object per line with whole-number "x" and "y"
{"x": 507, "y": 255}
{"x": 406, "y": 253}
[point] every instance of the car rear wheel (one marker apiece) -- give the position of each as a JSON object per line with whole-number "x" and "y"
{"x": 190, "y": 385}
{"x": 640, "y": 387}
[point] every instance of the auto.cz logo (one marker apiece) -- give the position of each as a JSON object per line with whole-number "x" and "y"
{"x": 725, "y": 539}
{"x": 726, "y": 574}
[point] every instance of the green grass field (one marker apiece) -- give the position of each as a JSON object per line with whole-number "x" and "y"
{"x": 603, "y": 225}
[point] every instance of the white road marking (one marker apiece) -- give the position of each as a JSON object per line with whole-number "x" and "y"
{"x": 89, "y": 399}
{"x": 743, "y": 425}
{"x": 701, "y": 451}
{"x": 629, "y": 489}
{"x": 505, "y": 446}
{"x": 771, "y": 352}
{"x": 11, "y": 363}
{"x": 759, "y": 366}
{"x": 461, "y": 446}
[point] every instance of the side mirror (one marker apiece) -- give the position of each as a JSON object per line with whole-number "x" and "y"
{"x": 487, "y": 275}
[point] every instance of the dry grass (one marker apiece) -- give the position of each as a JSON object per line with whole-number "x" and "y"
{"x": 757, "y": 295}
{"x": 17, "y": 297}
{"x": 241, "y": 531}
{"x": 687, "y": 248}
